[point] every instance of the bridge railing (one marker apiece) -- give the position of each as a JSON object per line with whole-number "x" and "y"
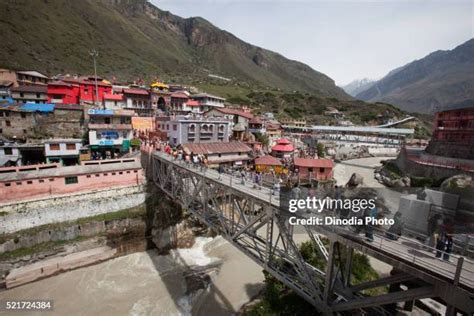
{"x": 458, "y": 268}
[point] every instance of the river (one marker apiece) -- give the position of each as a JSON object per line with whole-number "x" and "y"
{"x": 145, "y": 283}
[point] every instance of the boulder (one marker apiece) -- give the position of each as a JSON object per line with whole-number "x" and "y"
{"x": 355, "y": 180}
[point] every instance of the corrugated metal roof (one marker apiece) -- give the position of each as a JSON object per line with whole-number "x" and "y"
{"x": 135, "y": 91}
{"x": 37, "y": 107}
{"x": 362, "y": 129}
{"x": 216, "y": 148}
{"x": 32, "y": 88}
{"x": 313, "y": 163}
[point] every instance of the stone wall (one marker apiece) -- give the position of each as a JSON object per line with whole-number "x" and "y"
{"x": 24, "y": 215}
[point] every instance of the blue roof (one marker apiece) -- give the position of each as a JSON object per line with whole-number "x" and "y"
{"x": 37, "y": 107}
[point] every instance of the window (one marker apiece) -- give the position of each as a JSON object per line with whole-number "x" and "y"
{"x": 97, "y": 175}
{"x": 135, "y": 171}
{"x": 51, "y": 180}
{"x": 71, "y": 146}
{"x": 24, "y": 131}
{"x": 321, "y": 170}
{"x": 120, "y": 172}
{"x": 107, "y": 120}
{"x": 106, "y": 174}
{"x": 41, "y": 181}
{"x": 7, "y": 123}
{"x": 29, "y": 182}
{"x": 8, "y": 184}
{"x": 88, "y": 176}
{"x": 53, "y": 146}
{"x": 1, "y": 114}
{"x": 8, "y": 151}
{"x": 128, "y": 171}
{"x": 18, "y": 183}
{"x": 38, "y": 95}
{"x": 175, "y": 140}
{"x": 310, "y": 169}
{"x": 23, "y": 115}
{"x": 70, "y": 180}
{"x": 113, "y": 173}
{"x": 21, "y": 95}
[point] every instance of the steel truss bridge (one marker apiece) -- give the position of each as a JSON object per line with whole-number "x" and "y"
{"x": 250, "y": 219}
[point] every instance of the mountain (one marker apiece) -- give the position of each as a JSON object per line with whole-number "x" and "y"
{"x": 136, "y": 39}
{"x": 438, "y": 81}
{"x": 357, "y": 86}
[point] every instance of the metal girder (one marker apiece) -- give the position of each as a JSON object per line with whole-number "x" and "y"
{"x": 256, "y": 227}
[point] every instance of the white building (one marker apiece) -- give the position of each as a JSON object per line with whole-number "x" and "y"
{"x": 208, "y": 101}
{"x": 64, "y": 151}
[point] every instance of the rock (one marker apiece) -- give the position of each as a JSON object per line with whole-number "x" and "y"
{"x": 355, "y": 180}
{"x": 197, "y": 279}
{"x": 460, "y": 181}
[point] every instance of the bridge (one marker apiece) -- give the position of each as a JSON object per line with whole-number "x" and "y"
{"x": 250, "y": 219}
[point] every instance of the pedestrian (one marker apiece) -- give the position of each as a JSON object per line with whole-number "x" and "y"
{"x": 369, "y": 228}
{"x": 434, "y": 224}
{"x": 395, "y": 231}
{"x": 242, "y": 175}
{"x": 220, "y": 171}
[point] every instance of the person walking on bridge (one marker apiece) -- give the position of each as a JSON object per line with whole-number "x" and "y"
{"x": 220, "y": 171}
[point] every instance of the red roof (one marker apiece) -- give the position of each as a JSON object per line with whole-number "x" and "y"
{"x": 216, "y": 148}
{"x": 135, "y": 91}
{"x": 192, "y": 103}
{"x": 283, "y": 145}
{"x": 313, "y": 163}
{"x": 268, "y": 161}
{"x": 114, "y": 97}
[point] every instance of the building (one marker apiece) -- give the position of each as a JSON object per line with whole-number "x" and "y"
{"x": 31, "y": 77}
{"x": 9, "y": 153}
{"x": 114, "y": 101}
{"x": 208, "y": 101}
{"x": 87, "y": 88}
{"x": 62, "y": 151}
{"x": 283, "y": 149}
{"x": 138, "y": 100}
{"x": 314, "y": 169}
{"x": 184, "y": 129}
{"x": 36, "y": 181}
{"x": 5, "y": 87}
{"x": 256, "y": 126}
{"x": 230, "y": 153}
{"x": 110, "y": 131}
{"x": 293, "y": 122}
{"x": 30, "y": 94}
{"x": 273, "y": 129}
{"x": 178, "y": 102}
{"x": 453, "y": 134}
{"x": 18, "y": 121}
{"x": 63, "y": 92}
{"x": 268, "y": 163}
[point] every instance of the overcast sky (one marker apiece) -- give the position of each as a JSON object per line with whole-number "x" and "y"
{"x": 346, "y": 40}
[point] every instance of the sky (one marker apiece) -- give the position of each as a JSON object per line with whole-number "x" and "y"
{"x": 346, "y": 40}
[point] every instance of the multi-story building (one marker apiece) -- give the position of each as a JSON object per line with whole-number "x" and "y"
{"x": 5, "y": 87}
{"x": 28, "y": 77}
{"x": 30, "y": 94}
{"x": 293, "y": 122}
{"x": 235, "y": 154}
{"x": 256, "y": 126}
{"x": 110, "y": 130}
{"x": 63, "y": 151}
{"x": 208, "y": 101}
{"x": 453, "y": 134}
{"x": 87, "y": 88}
{"x": 63, "y": 92}
{"x": 138, "y": 100}
{"x": 30, "y": 120}
{"x": 114, "y": 101}
{"x": 182, "y": 129}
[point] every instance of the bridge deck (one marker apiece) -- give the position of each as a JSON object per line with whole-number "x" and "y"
{"x": 406, "y": 250}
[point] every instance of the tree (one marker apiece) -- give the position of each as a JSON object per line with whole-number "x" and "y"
{"x": 320, "y": 149}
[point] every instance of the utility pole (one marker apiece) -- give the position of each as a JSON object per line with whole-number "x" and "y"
{"x": 94, "y": 53}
